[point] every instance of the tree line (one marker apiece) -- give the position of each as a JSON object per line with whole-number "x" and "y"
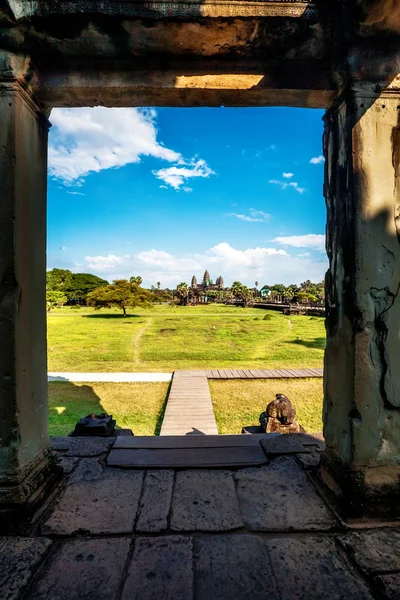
{"x": 65, "y": 287}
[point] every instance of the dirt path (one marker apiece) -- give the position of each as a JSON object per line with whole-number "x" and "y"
{"x": 137, "y": 339}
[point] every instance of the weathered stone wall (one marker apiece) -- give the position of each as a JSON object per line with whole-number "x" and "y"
{"x": 23, "y": 363}
{"x": 362, "y": 361}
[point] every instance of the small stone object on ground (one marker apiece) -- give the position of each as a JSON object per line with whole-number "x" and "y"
{"x": 102, "y": 425}
{"x": 280, "y": 416}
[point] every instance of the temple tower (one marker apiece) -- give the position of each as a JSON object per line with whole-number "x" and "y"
{"x": 206, "y": 278}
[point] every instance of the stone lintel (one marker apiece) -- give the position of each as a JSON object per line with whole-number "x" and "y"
{"x": 189, "y": 83}
{"x": 19, "y": 10}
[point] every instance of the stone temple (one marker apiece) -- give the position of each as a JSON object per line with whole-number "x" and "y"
{"x": 339, "y": 55}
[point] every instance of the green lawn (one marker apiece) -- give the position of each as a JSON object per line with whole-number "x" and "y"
{"x": 239, "y": 403}
{"x": 139, "y": 406}
{"x": 166, "y": 338}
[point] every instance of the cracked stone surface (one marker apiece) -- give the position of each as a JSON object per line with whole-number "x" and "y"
{"x": 19, "y": 558}
{"x": 77, "y": 568}
{"x": 68, "y": 463}
{"x": 234, "y": 566}
{"x": 205, "y": 500}
{"x": 160, "y": 568}
{"x": 82, "y": 446}
{"x": 104, "y": 505}
{"x": 310, "y": 568}
{"x": 88, "y": 469}
{"x": 280, "y": 496}
{"x": 374, "y": 551}
{"x": 155, "y": 502}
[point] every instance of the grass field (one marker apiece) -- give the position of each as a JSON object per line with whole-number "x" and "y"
{"x": 138, "y": 406}
{"x": 239, "y": 403}
{"x": 166, "y": 338}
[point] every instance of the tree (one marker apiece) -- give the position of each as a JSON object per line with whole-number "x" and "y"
{"x": 120, "y": 293}
{"x": 241, "y": 292}
{"x": 158, "y": 284}
{"x": 55, "y": 298}
{"x": 138, "y": 280}
{"x": 81, "y": 285}
{"x": 58, "y": 279}
{"x": 183, "y": 292}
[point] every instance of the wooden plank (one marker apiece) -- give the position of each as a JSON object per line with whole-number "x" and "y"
{"x": 180, "y": 458}
{"x": 188, "y": 441}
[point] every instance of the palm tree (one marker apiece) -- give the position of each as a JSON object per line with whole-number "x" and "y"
{"x": 256, "y": 284}
{"x": 158, "y": 284}
{"x": 138, "y": 280}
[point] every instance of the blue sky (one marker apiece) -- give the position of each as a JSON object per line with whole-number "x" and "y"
{"x": 166, "y": 193}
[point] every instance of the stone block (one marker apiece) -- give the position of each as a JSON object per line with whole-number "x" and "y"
{"x": 374, "y": 551}
{"x": 19, "y": 559}
{"x": 234, "y": 567}
{"x": 161, "y": 567}
{"x": 82, "y": 446}
{"x": 205, "y": 500}
{"x": 280, "y": 497}
{"x": 83, "y": 569}
{"x": 104, "y": 505}
{"x": 310, "y": 568}
{"x": 155, "y": 502}
{"x": 291, "y": 443}
{"x": 389, "y": 585}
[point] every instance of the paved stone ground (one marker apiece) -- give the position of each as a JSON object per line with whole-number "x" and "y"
{"x": 255, "y": 533}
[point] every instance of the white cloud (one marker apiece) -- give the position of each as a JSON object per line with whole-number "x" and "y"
{"x": 255, "y": 216}
{"x": 317, "y": 160}
{"x": 284, "y": 185}
{"x": 76, "y": 193}
{"x": 266, "y": 265}
{"x": 177, "y": 176}
{"x": 85, "y": 140}
{"x": 310, "y": 240}
{"x": 288, "y": 175}
{"x": 104, "y": 263}
{"x": 303, "y": 254}
{"x": 63, "y": 248}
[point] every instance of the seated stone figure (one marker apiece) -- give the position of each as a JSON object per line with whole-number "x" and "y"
{"x": 280, "y": 416}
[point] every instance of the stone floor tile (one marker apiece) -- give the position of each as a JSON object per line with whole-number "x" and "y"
{"x": 205, "y": 500}
{"x": 235, "y": 567}
{"x": 82, "y": 446}
{"x": 389, "y": 585}
{"x": 105, "y": 505}
{"x": 19, "y": 558}
{"x": 279, "y": 497}
{"x": 82, "y": 569}
{"x": 155, "y": 502}
{"x": 375, "y": 551}
{"x": 88, "y": 469}
{"x": 161, "y": 567}
{"x": 310, "y": 568}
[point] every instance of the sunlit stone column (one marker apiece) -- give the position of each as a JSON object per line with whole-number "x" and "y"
{"x": 362, "y": 360}
{"x": 25, "y": 455}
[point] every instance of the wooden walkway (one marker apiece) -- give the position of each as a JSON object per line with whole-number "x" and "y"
{"x": 192, "y": 451}
{"x": 265, "y": 374}
{"x": 189, "y": 408}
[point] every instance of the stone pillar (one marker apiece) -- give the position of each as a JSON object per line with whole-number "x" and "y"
{"x": 26, "y": 459}
{"x": 362, "y": 359}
